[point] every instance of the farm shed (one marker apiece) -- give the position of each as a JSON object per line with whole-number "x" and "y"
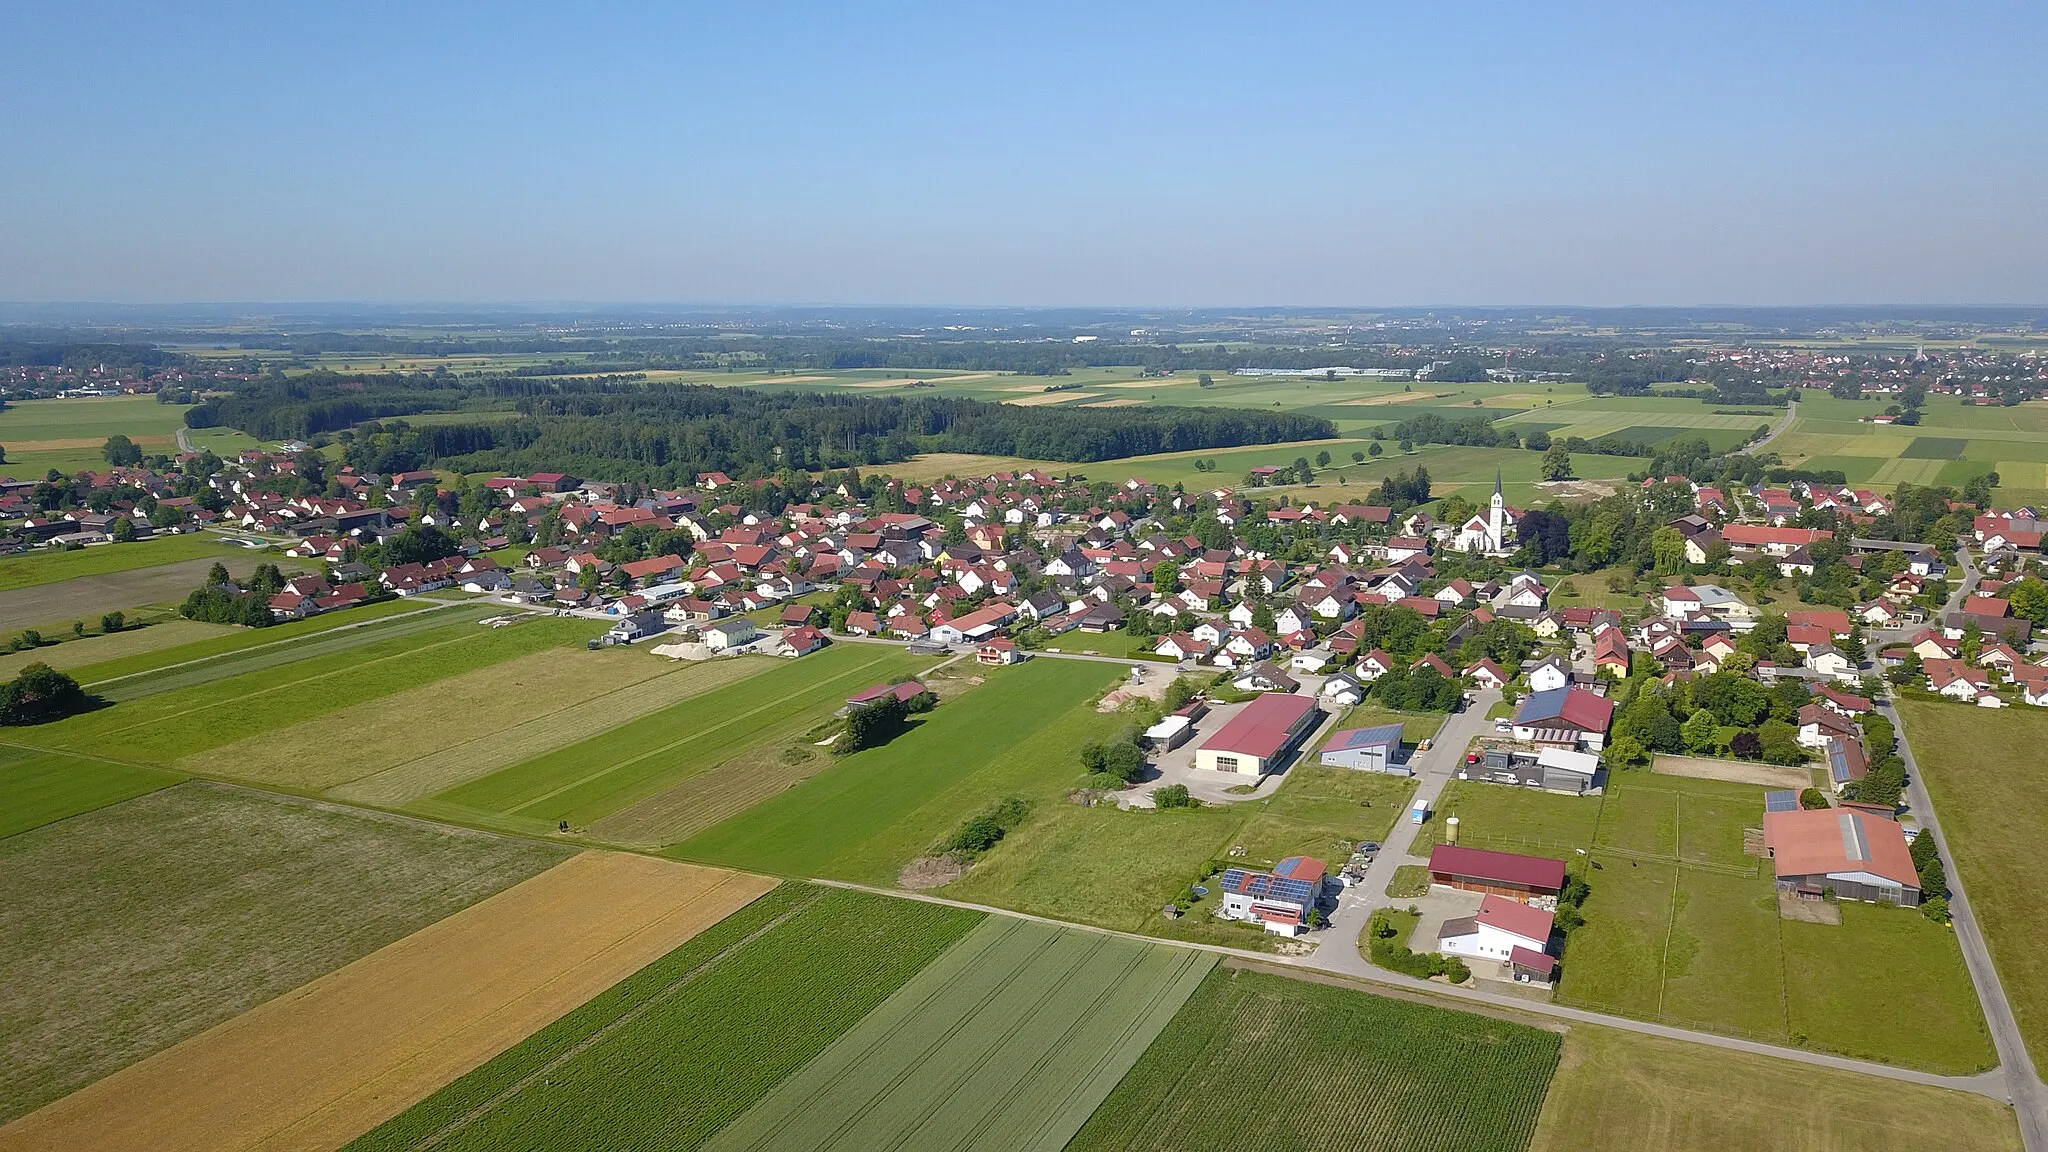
{"x": 1256, "y": 738}
{"x": 1860, "y": 856}
{"x": 1522, "y": 878}
{"x": 1376, "y": 749}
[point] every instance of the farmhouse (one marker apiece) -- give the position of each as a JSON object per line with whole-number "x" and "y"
{"x": 1523, "y": 878}
{"x": 1257, "y": 738}
{"x": 1502, "y": 928}
{"x": 1860, "y": 856}
{"x": 1281, "y": 899}
{"x": 1566, "y": 717}
{"x": 1376, "y": 749}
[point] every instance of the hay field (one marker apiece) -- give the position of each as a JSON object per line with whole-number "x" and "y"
{"x": 136, "y": 926}
{"x": 38, "y": 788}
{"x": 325, "y": 1063}
{"x": 1620, "y": 1091}
{"x": 486, "y": 749}
{"x": 1040, "y": 398}
{"x": 114, "y": 646}
{"x": 89, "y": 597}
{"x": 378, "y": 735}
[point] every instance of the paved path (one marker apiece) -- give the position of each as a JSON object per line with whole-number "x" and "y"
{"x": 2022, "y": 1085}
{"x": 1338, "y": 951}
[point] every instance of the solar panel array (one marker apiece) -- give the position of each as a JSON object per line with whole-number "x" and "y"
{"x": 1781, "y": 801}
{"x": 1263, "y": 886}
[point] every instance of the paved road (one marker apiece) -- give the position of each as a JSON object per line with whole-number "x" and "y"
{"x": 1778, "y": 429}
{"x": 1987, "y": 1084}
{"x": 1338, "y": 950}
{"x": 2023, "y": 1087}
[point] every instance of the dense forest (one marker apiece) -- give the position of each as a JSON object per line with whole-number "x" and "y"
{"x": 624, "y": 429}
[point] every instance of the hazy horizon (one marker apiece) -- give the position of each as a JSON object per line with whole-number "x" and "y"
{"x": 1142, "y": 157}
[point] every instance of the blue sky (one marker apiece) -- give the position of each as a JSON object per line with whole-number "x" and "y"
{"x": 1351, "y": 154}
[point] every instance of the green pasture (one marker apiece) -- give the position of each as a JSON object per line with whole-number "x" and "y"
{"x": 49, "y": 566}
{"x": 1679, "y": 918}
{"x": 1009, "y": 1040}
{"x": 601, "y": 775}
{"x": 38, "y": 788}
{"x": 161, "y": 728}
{"x": 870, "y": 813}
{"x": 226, "y": 639}
{"x": 675, "y": 1052}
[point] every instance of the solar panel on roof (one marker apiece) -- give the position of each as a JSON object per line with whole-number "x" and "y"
{"x": 1781, "y": 801}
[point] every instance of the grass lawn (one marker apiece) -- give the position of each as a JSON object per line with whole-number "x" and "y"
{"x": 1235, "y": 1068}
{"x": 162, "y": 728}
{"x": 672, "y": 1054}
{"x": 46, "y": 566}
{"x": 38, "y": 788}
{"x": 1009, "y": 1040}
{"x": 1990, "y": 786}
{"x": 1589, "y": 590}
{"x": 870, "y": 813}
{"x": 596, "y": 777}
{"x": 145, "y": 922}
{"x": 221, "y": 639}
{"x": 68, "y": 433}
{"x": 1618, "y": 1091}
{"x": 1118, "y": 643}
{"x": 1682, "y": 927}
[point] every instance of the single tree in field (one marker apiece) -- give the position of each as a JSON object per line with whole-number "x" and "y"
{"x": 1557, "y": 463}
{"x": 120, "y": 451}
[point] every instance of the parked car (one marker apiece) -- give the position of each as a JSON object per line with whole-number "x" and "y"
{"x": 1502, "y": 725}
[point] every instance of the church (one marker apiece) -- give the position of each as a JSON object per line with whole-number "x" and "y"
{"x": 1493, "y": 533}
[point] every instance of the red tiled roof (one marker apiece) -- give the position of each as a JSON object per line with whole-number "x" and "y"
{"x": 1526, "y": 921}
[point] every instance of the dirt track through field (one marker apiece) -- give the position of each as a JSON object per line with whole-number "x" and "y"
{"x": 319, "y": 1066}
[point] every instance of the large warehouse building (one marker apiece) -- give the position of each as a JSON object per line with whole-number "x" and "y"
{"x": 1257, "y": 738}
{"x": 1856, "y": 855}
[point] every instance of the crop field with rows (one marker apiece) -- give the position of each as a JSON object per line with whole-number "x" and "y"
{"x": 1008, "y": 1041}
{"x": 1257, "y": 1062}
{"x": 673, "y": 1053}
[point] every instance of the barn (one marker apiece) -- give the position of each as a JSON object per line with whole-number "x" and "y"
{"x": 1523, "y": 878}
{"x": 1255, "y": 740}
{"x": 1856, "y": 855}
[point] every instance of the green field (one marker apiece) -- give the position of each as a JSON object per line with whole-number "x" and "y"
{"x": 1415, "y": 726}
{"x": 221, "y": 639}
{"x": 870, "y": 813}
{"x": 133, "y": 927}
{"x": 1257, "y": 1061}
{"x": 67, "y": 434}
{"x": 1009, "y": 1040}
{"x": 640, "y": 760}
{"x": 164, "y": 727}
{"x": 1051, "y": 865}
{"x": 101, "y": 648}
{"x": 38, "y": 788}
{"x": 1680, "y": 918}
{"x": 672, "y": 1054}
{"x": 47, "y": 566}
{"x": 1621, "y": 1091}
{"x": 257, "y": 649}
{"x": 1991, "y": 789}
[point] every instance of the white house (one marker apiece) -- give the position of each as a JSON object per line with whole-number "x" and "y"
{"x": 1282, "y": 899}
{"x": 1501, "y": 926}
{"x": 730, "y": 633}
{"x": 1550, "y": 673}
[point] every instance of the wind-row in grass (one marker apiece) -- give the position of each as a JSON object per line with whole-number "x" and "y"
{"x": 376, "y": 628}
{"x": 866, "y": 816}
{"x": 160, "y": 729}
{"x": 669, "y": 1056}
{"x": 38, "y": 788}
{"x": 601, "y": 775}
{"x": 49, "y": 567}
{"x": 1258, "y": 1062}
{"x": 1008, "y": 1041}
{"x": 115, "y": 667}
